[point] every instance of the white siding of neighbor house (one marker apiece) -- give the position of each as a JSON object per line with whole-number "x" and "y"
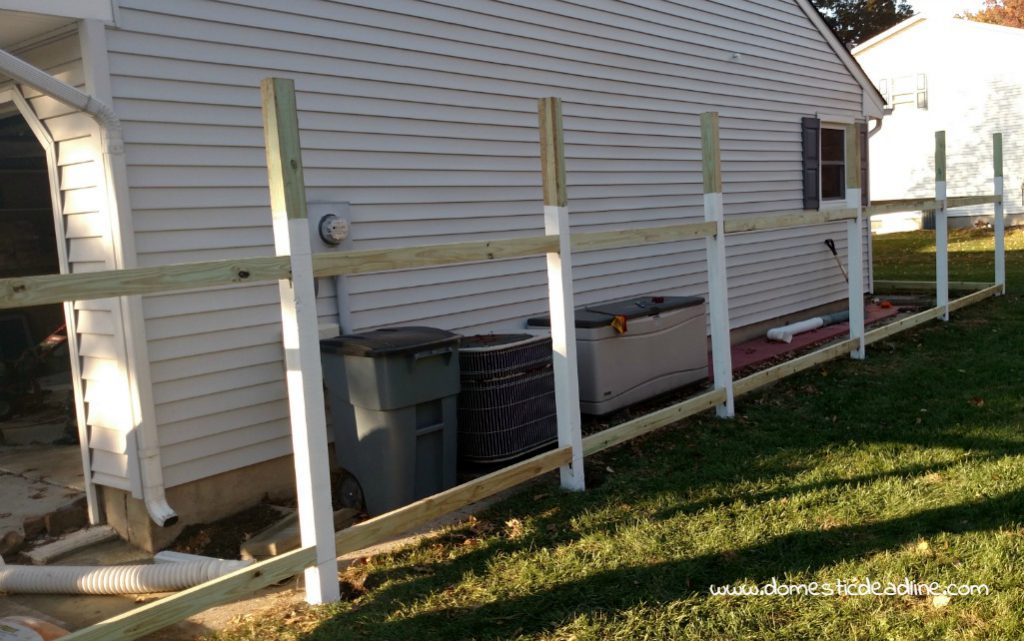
{"x": 87, "y": 238}
{"x": 975, "y": 88}
{"x": 422, "y": 115}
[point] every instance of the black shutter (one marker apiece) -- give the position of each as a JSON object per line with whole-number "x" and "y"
{"x": 865, "y": 192}
{"x": 812, "y": 162}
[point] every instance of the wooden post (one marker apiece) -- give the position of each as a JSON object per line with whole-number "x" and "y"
{"x": 855, "y": 241}
{"x": 998, "y": 223}
{"x": 941, "y": 227}
{"x": 560, "y": 291}
{"x": 718, "y": 290}
{"x": 301, "y": 337}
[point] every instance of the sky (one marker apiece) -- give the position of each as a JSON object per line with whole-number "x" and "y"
{"x": 948, "y": 7}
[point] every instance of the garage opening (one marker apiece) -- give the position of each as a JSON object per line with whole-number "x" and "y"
{"x": 40, "y": 459}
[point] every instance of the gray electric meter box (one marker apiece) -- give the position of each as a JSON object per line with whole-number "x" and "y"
{"x": 393, "y": 398}
{"x": 661, "y": 344}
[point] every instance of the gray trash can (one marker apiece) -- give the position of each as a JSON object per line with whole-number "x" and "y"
{"x": 393, "y": 397}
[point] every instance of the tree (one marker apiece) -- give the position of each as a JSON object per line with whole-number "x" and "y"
{"x": 1009, "y": 13}
{"x": 855, "y": 21}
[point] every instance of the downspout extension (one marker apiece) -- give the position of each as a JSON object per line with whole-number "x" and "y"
{"x": 20, "y": 71}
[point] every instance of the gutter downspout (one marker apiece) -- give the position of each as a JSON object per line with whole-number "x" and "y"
{"x": 887, "y": 111}
{"x": 150, "y": 467}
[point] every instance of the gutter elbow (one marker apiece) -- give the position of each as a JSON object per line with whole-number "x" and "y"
{"x": 158, "y": 508}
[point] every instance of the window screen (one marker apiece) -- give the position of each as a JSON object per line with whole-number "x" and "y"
{"x": 833, "y": 164}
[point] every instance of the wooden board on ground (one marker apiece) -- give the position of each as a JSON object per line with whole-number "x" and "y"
{"x": 924, "y": 285}
{"x": 651, "y": 422}
{"x": 283, "y": 536}
{"x": 168, "y": 610}
{"x": 782, "y": 370}
{"x": 405, "y": 518}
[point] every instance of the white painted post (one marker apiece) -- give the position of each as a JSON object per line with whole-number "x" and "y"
{"x": 304, "y": 377}
{"x": 560, "y": 291}
{"x": 941, "y": 227}
{"x": 718, "y": 289}
{"x": 998, "y": 223}
{"x": 855, "y": 241}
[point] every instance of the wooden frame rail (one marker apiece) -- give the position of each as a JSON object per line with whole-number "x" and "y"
{"x": 41, "y": 290}
{"x": 296, "y": 264}
{"x": 925, "y": 285}
{"x": 928, "y": 204}
{"x": 786, "y": 219}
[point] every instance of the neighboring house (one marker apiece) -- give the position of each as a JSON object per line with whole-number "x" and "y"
{"x": 947, "y": 74}
{"x": 421, "y": 117}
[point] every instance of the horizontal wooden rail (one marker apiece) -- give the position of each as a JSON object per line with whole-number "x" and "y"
{"x": 381, "y": 528}
{"x": 968, "y": 201}
{"x": 976, "y": 297}
{"x": 895, "y": 206}
{"x": 651, "y": 422}
{"x": 364, "y": 261}
{"x": 926, "y": 285}
{"x": 784, "y": 219}
{"x": 903, "y": 324}
{"x": 927, "y": 204}
{"x": 790, "y": 367}
{"x": 590, "y": 241}
{"x": 57, "y": 288}
{"x": 177, "y": 607}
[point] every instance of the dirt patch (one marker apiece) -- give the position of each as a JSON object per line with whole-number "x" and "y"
{"x": 223, "y": 539}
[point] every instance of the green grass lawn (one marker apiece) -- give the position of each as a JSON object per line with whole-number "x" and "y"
{"x": 911, "y": 256}
{"x": 910, "y": 464}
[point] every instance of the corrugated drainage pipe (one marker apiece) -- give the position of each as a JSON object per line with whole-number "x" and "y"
{"x": 113, "y": 579}
{"x": 110, "y": 128}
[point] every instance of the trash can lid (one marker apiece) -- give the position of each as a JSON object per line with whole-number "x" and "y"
{"x": 601, "y": 314}
{"x": 390, "y": 341}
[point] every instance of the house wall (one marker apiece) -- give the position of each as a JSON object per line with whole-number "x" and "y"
{"x": 87, "y": 246}
{"x": 422, "y": 116}
{"x": 972, "y": 94}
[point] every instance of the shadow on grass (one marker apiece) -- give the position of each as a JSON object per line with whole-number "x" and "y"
{"x": 919, "y": 392}
{"x": 661, "y": 583}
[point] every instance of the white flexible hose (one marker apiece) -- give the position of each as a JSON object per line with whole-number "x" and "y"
{"x": 114, "y": 579}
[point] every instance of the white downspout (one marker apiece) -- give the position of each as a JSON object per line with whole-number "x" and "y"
{"x": 151, "y": 469}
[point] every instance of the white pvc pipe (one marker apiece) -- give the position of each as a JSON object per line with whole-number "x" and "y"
{"x": 114, "y": 579}
{"x": 785, "y": 334}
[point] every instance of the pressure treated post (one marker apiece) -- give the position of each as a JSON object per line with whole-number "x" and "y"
{"x": 718, "y": 290}
{"x": 855, "y": 241}
{"x": 560, "y": 291}
{"x": 998, "y": 223}
{"x": 301, "y": 337}
{"x": 941, "y": 227}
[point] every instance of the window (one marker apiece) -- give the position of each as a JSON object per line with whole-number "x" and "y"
{"x": 833, "y": 163}
{"x": 824, "y": 162}
{"x": 903, "y": 91}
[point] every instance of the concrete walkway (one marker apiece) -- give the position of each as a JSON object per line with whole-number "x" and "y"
{"x": 42, "y": 490}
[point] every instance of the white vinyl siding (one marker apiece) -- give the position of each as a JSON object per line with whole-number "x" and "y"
{"x": 87, "y": 237}
{"x": 422, "y": 115}
{"x": 975, "y": 89}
